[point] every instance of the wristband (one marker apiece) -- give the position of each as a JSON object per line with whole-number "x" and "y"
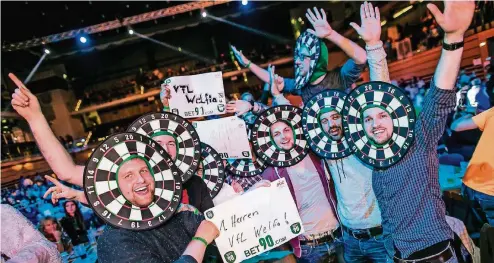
{"x": 248, "y": 65}
{"x": 201, "y": 239}
{"x": 453, "y": 46}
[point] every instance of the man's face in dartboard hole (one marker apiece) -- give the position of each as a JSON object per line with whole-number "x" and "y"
{"x": 136, "y": 182}
{"x": 282, "y": 135}
{"x": 378, "y": 124}
{"x": 168, "y": 143}
{"x": 331, "y": 124}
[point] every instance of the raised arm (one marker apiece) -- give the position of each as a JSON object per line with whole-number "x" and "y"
{"x": 245, "y": 62}
{"x": 276, "y": 88}
{"x": 440, "y": 100}
{"x": 196, "y": 249}
{"x": 464, "y": 123}
{"x": 27, "y": 105}
{"x": 322, "y": 29}
{"x": 370, "y": 32}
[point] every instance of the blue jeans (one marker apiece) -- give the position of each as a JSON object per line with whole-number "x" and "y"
{"x": 486, "y": 202}
{"x": 367, "y": 250}
{"x": 327, "y": 253}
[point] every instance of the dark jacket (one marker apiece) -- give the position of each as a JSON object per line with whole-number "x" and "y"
{"x": 198, "y": 194}
{"x": 274, "y": 173}
{"x": 75, "y": 229}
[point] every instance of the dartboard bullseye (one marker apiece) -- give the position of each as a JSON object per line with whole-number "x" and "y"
{"x": 246, "y": 167}
{"x": 379, "y": 121}
{"x": 277, "y": 136}
{"x": 307, "y": 44}
{"x": 322, "y": 125}
{"x": 213, "y": 170}
{"x": 175, "y": 134}
{"x": 117, "y": 197}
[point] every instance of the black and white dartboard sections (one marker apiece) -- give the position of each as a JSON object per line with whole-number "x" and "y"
{"x": 189, "y": 146}
{"x": 246, "y": 167}
{"x": 264, "y": 145}
{"x": 104, "y": 193}
{"x": 213, "y": 169}
{"x": 396, "y": 103}
{"x": 319, "y": 141}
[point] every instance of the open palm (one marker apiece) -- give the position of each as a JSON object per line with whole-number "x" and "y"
{"x": 370, "y": 31}
{"x": 456, "y": 18}
{"x": 318, "y": 20}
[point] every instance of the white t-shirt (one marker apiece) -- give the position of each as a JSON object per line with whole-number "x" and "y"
{"x": 357, "y": 203}
{"x": 313, "y": 206}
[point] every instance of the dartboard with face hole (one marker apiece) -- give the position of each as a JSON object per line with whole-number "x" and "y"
{"x": 213, "y": 170}
{"x": 308, "y": 46}
{"x": 176, "y": 135}
{"x": 323, "y": 126}
{"x": 379, "y": 121}
{"x": 246, "y": 167}
{"x": 131, "y": 182}
{"x": 277, "y": 136}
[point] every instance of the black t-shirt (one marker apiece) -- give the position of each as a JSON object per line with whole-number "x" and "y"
{"x": 163, "y": 244}
{"x": 198, "y": 193}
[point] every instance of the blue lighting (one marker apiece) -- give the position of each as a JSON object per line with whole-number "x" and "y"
{"x": 245, "y": 2}
{"x": 83, "y": 39}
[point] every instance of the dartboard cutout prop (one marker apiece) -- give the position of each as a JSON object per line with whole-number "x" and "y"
{"x": 319, "y": 141}
{"x": 105, "y": 196}
{"x": 264, "y": 145}
{"x": 313, "y": 45}
{"x": 186, "y": 137}
{"x": 213, "y": 172}
{"x": 390, "y": 99}
{"x": 246, "y": 167}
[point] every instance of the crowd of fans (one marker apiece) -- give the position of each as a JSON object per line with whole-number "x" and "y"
{"x": 67, "y": 224}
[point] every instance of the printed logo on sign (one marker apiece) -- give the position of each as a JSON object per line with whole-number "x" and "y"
{"x": 245, "y": 154}
{"x": 221, "y": 107}
{"x": 167, "y": 81}
{"x": 175, "y": 111}
{"x": 280, "y": 183}
{"x": 230, "y": 256}
{"x": 210, "y": 214}
{"x": 295, "y": 228}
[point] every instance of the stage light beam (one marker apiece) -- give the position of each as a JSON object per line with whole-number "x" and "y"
{"x": 131, "y": 32}
{"x": 47, "y": 51}
{"x": 245, "y": 2}
{"x": 204, "y": 14}
{"x": 83, "y": 39}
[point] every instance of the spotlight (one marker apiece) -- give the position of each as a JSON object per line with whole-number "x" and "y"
{"x": 245, "y": 2}
{"x": 203, "y": 13}
{"x": 131, "y": 32}
{"x": 47, "y": 51}
{"x": 83, "y": 39}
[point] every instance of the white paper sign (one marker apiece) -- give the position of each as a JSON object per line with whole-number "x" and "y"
{"x": 256, "y": 222}
{"x": 228, "y": 136}
{"x": 197, "y": 95}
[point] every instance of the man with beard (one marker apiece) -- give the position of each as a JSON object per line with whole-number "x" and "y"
{"x": 313, "y": 71}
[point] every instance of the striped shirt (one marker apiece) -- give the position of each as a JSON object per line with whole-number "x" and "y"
{"x": 408, "y": 193}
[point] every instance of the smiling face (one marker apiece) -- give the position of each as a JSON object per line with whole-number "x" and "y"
{"x": 302, "y": 60}
{"x": 136, "y": 182}
{"x": 378, "y": 124}
{"x": 331, "y": 124}
{"x": 168, "y": 143}
{"x": 282, "y": 135}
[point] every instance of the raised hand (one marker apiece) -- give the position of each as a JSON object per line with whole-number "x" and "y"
{"x": 208, "y": 231}
{"x": 238, "y": 107}
{"x": 370, "y": 31}
{"x": 322, "y": 29}
{"x": 165, "y": 96}
{"x": 275, "y": 90}
{"x": 23, "y": 101}
{"x": 456, "y": 18}
{"x": 240, "y": 56}
{"x": 60, "y": 191}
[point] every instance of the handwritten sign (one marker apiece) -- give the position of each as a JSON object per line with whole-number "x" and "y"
{"x": 255, "y": 222}
{"x": 228, "y": 136}
{"x": 197, "y": 95}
